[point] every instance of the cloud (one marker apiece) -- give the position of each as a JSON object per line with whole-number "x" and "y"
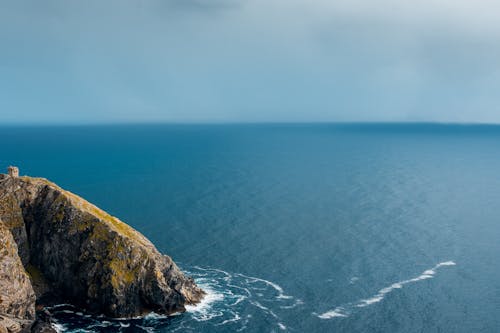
{"x": 274, "y": 60}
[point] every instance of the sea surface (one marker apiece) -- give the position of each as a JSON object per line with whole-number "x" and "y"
{"x": 295, "y": 228}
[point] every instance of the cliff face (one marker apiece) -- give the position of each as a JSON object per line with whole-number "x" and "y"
{"x": 83, "y": 254}
{"x": 17, "y": 298}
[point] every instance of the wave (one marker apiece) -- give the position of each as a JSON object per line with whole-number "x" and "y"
{"x": 281, "y": 293}
{"x": 202, "y": 310}
{"x": 337, "y": 312}
{"x": 345, "y": 310}
{"x": 229, "y": 296}
{"x": 234, "y": 301}
{"x": 58, "y": 327}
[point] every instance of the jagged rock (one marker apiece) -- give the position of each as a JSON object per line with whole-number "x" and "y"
{"x": 17, "y": 297}
{"x": 12, "y": 218}
{"x": 43, "y": 323}
{"x": 90, "y": 258}
{"x": 10, "y": 324}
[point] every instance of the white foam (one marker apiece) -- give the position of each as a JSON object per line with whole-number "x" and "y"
{"x": 379, "y": 296}
{"x": 297, "y": 303}
{"x": 60, "y": 306}
{"x": 147, "y": 329}
{"x": 262, "y": 307}
{"x": 232, "y": 320}
{"x": 447, "y": 263}
{"x": 239, "y": 299}
{"x": 150, "y": 316}
{"x": 210, "y": 297}
{"x": 427, "y": 274}
{"x": 226, "y": 292}
{"x": 246, "y": 290}
{"x": 369, "y": 301}
{"x": 281, "y": 293}
{"x": 204, "y": 310}
{"x": 58, "y": 327}
{"x": 337, "y": 312}
{"x": 227, "y": 274}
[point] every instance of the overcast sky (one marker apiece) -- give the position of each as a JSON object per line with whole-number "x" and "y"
{"x": 249, "y": 60}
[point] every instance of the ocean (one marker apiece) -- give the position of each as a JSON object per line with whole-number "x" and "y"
{"x": 295, "y": 227}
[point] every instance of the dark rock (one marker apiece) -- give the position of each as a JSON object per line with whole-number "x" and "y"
{"x": 43, "y": 323}
{"x": 78, "y": 252}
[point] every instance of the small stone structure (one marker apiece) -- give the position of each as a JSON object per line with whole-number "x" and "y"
{"x": 13, "y": 171}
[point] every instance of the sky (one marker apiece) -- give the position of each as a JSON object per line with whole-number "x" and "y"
{"x": 123, "y": 61}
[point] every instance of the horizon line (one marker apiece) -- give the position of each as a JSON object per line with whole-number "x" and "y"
{"x": 219, "y": 123}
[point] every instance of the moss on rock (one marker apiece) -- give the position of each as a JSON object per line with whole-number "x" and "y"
{"x": 89, "y": 257}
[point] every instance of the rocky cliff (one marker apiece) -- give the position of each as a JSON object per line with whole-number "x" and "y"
{"x": 68, "y": 248}
{"x": 17, "y": 298}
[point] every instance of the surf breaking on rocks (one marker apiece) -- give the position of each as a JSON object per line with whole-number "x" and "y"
{"x": 229, "y": 296}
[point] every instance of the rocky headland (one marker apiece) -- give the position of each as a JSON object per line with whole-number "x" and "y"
{"x": 57, "y": 247}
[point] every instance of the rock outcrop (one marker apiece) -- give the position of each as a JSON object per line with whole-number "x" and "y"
{"x": 17, "y": 298}
{"x": 80, "y": 254}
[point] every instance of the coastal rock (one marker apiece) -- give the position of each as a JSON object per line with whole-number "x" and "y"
{"x": 17, "y": 298}
{"x": 43, "y": 323}
{"x": 12, "y": 218}
{"x": 86, "y": 256}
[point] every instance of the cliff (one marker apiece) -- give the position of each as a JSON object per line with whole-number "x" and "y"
{"x": 78, "y": 253}
{"x": 17, "y": 298}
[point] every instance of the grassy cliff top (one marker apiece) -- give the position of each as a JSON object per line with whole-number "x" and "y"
{"x": 84, "y": 206}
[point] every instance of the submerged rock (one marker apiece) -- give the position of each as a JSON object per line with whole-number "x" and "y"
{"x": 82, "y": 255}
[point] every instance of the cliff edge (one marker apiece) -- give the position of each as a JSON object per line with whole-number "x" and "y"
{"x": 58, "y": 244}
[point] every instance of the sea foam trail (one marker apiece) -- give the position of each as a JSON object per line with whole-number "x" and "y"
{"x": 345, "y": 310}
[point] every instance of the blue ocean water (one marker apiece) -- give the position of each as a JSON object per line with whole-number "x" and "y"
{"x": 298, "y": 228}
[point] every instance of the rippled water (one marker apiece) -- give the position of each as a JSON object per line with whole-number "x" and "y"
{"x": 300, "y": 228}
{"x": 234, "y": 302}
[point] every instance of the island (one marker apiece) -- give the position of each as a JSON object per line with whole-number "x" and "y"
{"x": 58, "y": 247}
